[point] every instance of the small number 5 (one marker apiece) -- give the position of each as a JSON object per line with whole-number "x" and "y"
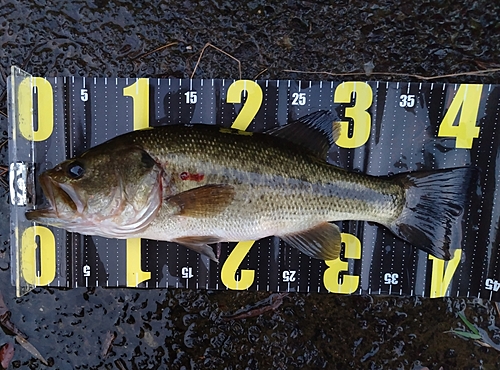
{"x": 84, "y": 95}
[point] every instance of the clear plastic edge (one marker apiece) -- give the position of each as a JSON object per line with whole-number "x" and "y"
{"x": 21, "y": 164}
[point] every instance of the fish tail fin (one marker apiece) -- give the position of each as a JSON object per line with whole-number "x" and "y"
{"x": 433, "y": 210}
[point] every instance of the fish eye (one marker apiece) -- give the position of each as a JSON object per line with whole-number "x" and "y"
{"x": 75, "y": 170}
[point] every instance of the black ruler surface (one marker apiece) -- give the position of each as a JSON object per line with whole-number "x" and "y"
{"x": 388, "y": 128}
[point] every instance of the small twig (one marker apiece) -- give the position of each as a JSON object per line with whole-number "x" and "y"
{"x": 260, "y": 73}
{"x": 420, "y": 77}
{"x": 269, "y": 304}
{"x": 481, "y": 343}
{"x": 220, "y": 50}
{"x": 120, "y": 364}
{"x": 4, "y": 75}
{"x": 30, "y": 54}
{"x": 3, "y": 171}
{"x": 4, "y": 114}
{"x": 155, "y": 50}
{"x": 2, "y": 144}
{"x": 2, "y": 97}
{"x": 23, "y": 66}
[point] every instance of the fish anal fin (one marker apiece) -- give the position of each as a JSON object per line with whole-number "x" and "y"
{"x": 199, "y": 244}
{"x": 322, "y": 241}
{"x": 316, "y": 132}
{"x": 205, "y": 201}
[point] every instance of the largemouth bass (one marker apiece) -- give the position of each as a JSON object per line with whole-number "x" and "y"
{"x": 202, "y": 184}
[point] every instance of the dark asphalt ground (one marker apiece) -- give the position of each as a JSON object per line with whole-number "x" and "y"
{"x": 183, "y": 329}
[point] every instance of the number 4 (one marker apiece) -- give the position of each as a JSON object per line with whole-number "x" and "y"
{"x": 468, "y": 98}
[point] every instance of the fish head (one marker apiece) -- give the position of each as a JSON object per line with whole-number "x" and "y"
{"x": 109, "y": 191}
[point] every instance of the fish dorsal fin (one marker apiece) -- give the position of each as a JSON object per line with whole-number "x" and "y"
{"x": 316, "y": 132}
{"x": 204, "y": 201}
{"x": 322, "y": 241}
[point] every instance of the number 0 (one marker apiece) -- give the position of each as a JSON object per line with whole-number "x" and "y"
{"x": 45, "y": 108}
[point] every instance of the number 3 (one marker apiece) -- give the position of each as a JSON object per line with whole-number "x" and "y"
{"x": 361, "y": 119}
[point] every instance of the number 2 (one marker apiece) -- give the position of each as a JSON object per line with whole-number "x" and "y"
{"x": 252, "y": 104}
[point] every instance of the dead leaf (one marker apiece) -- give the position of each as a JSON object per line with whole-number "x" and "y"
{"x": 3, "y": 306}
{"x": 107, "y": 343}
{"x": 31, "y": 349}
{"x": 6, "y": 354}
{"x": 5, "y": 319}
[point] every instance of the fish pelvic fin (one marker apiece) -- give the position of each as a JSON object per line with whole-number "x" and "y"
{"x": 322, "y": 241}
{"x": 431, "y": 218}
{"x": 200, "y": 244}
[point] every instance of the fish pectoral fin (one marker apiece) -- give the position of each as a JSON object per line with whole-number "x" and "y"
{"x": 200, "y": 244}
{"x": 322, "y": 241}
{"x": 204, "y": 201}
{"x": 316, "y": 131}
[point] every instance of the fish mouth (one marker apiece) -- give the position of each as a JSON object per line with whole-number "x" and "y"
{"x": 56, "y": 194}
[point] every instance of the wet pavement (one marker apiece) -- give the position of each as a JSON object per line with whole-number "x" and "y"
{"x": 184, "y": 329}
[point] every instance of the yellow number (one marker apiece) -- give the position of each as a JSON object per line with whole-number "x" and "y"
{"x": 232, "y": 264}
{"x": 47, "y": 262}
{"x": 331, "y": 276}
{"x": 252, "y": 104}
{"x": 441, "y": 276}
{"x": 242, "y": 121}
{"x": 139, "y": 92}
{"x": 467, "y": 97}
{"x": 135, "y": 275}
{"x": 45, "y": 101}
{"x": 362, "y": 121}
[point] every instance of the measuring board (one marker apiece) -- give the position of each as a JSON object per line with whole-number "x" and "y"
{"x": 387, "y": 128}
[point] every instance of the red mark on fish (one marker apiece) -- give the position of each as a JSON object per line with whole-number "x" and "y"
{"x": 192, "y": 176}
